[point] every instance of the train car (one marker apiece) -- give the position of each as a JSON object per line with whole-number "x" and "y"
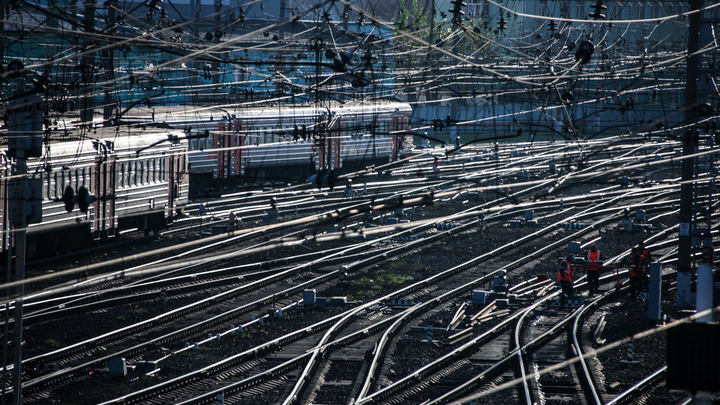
{"x": 139, "y": 181}
{"x": 287, "y": 142}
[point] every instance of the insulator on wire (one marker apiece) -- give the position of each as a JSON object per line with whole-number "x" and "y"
{"x": 502, "y": 24}
{"x": 599, "y": 9}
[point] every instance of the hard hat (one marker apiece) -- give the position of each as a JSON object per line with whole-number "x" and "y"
{"x": 571, "y": 256}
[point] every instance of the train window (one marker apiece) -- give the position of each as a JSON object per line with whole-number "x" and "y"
{"x": 52, "y": 191}
{"x": 143, "y": 169}
{"x": 146, "y": 172}
{"x": 121, "y": 176}
{"x": 45, "y": 186}
{"x": 126, "y": 174}
{"x": 72, "y": 178}
{"x": 133, "y": 173}
{"x": 162, "y": 170}
{"x": 59, "y": 184}
{"x": 80, "y": 178}
{"x": 84, "y": 177}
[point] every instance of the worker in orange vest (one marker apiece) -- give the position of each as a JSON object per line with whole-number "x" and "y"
{"x": 593, "y": 261}
{"x": 565, "y": 277}
{"x": 635, "y": 271}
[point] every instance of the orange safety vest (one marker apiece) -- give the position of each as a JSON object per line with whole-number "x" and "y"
{"x": 593, "y": 260}
{"x": 567, "y": 273}
{"x": 635, "y": 270}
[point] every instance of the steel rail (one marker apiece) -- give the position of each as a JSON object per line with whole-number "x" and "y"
{"x": 366, "y": 386}
{"x": 627, "y": 396}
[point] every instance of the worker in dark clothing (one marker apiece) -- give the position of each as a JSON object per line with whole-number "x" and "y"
{"x": 593, "y": 261}
{"x": 646, "y": 259}
{"x": 635, "y": 271}
{"x": 565, "y": 277}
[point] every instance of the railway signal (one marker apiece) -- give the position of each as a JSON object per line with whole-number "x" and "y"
{"x": 31, "y": 196}
{"x": 25, "y": 121}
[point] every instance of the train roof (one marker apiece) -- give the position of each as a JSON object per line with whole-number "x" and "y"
{"x": 80, "y": 152}
{"x": 185, "y": 116}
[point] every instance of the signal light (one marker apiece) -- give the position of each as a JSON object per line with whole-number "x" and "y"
{"x": 83, "y": 199}
{"x": 705, "y": 110}
{"x": 69, "y": 198}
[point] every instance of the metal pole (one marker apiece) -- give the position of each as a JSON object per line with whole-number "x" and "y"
{"x": 108, "y": 56}
{"x": 20, "y": 230}
{"x": 2, "y": 31}
{"x": 687, "y": 171}
{"x": 88, "y": 61}
{"x": 7, "y": 314}
{"x": 20, "y": 225}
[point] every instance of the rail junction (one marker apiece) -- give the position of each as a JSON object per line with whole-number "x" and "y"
{"x": 427, "y": 281}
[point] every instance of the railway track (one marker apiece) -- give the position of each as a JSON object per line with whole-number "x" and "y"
{"x": 307, "y": 347}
